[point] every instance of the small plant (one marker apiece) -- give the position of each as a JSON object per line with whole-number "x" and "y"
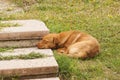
{"x": 10, "y": 9}
{"x": 3, "y": 25}
{"x": 6, "y": 49}
{"x": 31, "y": 55}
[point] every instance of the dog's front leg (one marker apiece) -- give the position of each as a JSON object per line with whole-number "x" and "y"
{"x": 62, "y": 50}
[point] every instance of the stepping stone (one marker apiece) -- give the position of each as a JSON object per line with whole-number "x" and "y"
{"x": 27, "y": 29}
{"x": 40, "y": 67}
{"x": 27, "y": 34}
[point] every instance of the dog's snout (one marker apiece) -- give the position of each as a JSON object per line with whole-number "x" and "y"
{"x": 38, "y": 45}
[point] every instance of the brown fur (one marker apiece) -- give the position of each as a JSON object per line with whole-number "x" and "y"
{"x": 72, "y": 43}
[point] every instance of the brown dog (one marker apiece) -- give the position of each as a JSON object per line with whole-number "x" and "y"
{"x": 73, "y": 43}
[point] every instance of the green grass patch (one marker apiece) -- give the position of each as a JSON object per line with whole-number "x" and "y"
{"x": 68, "y": 67}
{"x": 6, "y": 49}
{"x": 31, "y": 55}
{"x": 3, "y": 25}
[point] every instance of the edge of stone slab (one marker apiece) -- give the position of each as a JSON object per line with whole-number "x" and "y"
{"x": 19, "y": 43}
{"x": 23, "y": 35}
{"x": 36, "y": 77}
{"x": 52, "y": 78}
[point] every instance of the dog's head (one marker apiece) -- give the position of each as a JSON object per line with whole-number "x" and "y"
{"x": 48, "y": 41}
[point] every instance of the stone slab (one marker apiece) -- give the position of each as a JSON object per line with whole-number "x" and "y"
{"x": 19, "y": 43}
{"x": 22, "y": 51}
{"x": 27, "y": 29}
{"x": 54, "y": 78}
{"x": 40, "y": 66}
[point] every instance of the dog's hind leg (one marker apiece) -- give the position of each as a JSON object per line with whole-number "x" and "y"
{"x": 79, "y": 49}
{"x": 76, "y": 54}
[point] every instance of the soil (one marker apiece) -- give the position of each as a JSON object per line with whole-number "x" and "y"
{"x": 7, "y": 7}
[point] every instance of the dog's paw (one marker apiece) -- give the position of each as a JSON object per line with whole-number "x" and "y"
{"x": 62, "y": 50}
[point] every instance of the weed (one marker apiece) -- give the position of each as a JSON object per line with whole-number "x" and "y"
{"x": 6, "y": 49}
{"x": 31, "y": 55}
{"x": 3, "y": 25}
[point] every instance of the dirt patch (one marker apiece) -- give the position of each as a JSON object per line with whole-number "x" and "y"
{"x": 9, "y": 8}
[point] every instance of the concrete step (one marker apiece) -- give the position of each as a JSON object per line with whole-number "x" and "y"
{"x": 26, "y": 29}
{"x": 27, "y": 34}
{"x": 29, "y": 68}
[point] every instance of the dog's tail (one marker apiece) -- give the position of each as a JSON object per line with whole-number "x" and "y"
{"x": 81, "y": 55}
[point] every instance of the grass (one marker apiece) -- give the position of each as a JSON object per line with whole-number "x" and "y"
{"x": 100, "y": 18}
{"x": 3, "y": 25}
{"x": 31, "y": 55}
{"x": 6, "y": 49}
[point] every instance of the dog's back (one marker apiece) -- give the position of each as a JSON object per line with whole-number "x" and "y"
{"x": 79, "y": 44}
